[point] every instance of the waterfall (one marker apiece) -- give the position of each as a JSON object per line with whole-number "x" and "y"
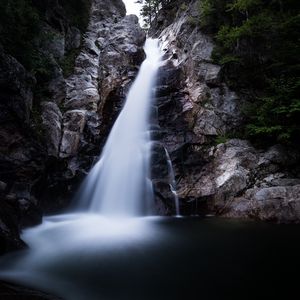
{"x": 117, "y": 189}
{"x": 119, "y": 183}
{"x": 172, "y": 183}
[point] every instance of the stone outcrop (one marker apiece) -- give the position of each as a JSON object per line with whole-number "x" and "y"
{"x": 196, "y": 113}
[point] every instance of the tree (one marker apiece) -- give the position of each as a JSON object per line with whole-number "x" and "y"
{"x": 257, "y": 42}
{"x": 150, "y": 9}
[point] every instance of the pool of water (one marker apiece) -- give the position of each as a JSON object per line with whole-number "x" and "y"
{"x": 159, "y": 259}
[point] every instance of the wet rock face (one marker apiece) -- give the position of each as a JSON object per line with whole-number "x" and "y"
{"x": 30, "y": 130}
{"x": 83, "y": 106}
{"x": 9, "y": 229}
{"x": 195, "y": 109}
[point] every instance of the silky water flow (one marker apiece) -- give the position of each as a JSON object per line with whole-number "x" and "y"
{"x": 111, "y": 204}
{"x": 119, "y": 184}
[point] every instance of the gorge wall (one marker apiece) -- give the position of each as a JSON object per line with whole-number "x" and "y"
{"x": 197, "y": 112}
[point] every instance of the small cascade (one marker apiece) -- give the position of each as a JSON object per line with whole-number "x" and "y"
{"x": 172, "y": 182}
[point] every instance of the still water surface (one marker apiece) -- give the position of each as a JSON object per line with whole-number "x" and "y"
{"x": 160, "y": 259}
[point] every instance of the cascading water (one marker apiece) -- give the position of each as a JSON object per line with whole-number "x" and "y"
{"x": 117, "y": 189}
{"x": 119, "y": 184}
{"x": 172, "y": 183}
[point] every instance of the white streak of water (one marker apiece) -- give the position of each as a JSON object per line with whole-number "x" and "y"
{"x": 119, "y": 181}
{"x": 172, "y": 182}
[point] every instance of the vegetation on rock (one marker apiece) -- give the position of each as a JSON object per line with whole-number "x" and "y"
{"x": 258, "y": 46}
{"x": 150, "y": 9}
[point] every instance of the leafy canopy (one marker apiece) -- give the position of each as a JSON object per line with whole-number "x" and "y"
{"x": 258, "y": 44}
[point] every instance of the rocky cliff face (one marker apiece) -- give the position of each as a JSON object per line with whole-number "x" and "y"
{"x": 196, "y": 114}
{"x": 49, "y": 143}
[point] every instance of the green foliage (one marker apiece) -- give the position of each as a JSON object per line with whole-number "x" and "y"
{"x": 19, "y": 26}
{"x": 277, "y": 114}
{"x": 192, "y": 21}
{"x": 258, "y": 46}
{"x": 150, "y": 9}
{"x": 221, "y": 139}
{"x": 206, "y": 9}
{"x": 243, "y": 6}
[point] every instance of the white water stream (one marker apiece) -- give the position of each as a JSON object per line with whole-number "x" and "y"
{"x": 118, "y": 185}
{"x": 114, "y": 196}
